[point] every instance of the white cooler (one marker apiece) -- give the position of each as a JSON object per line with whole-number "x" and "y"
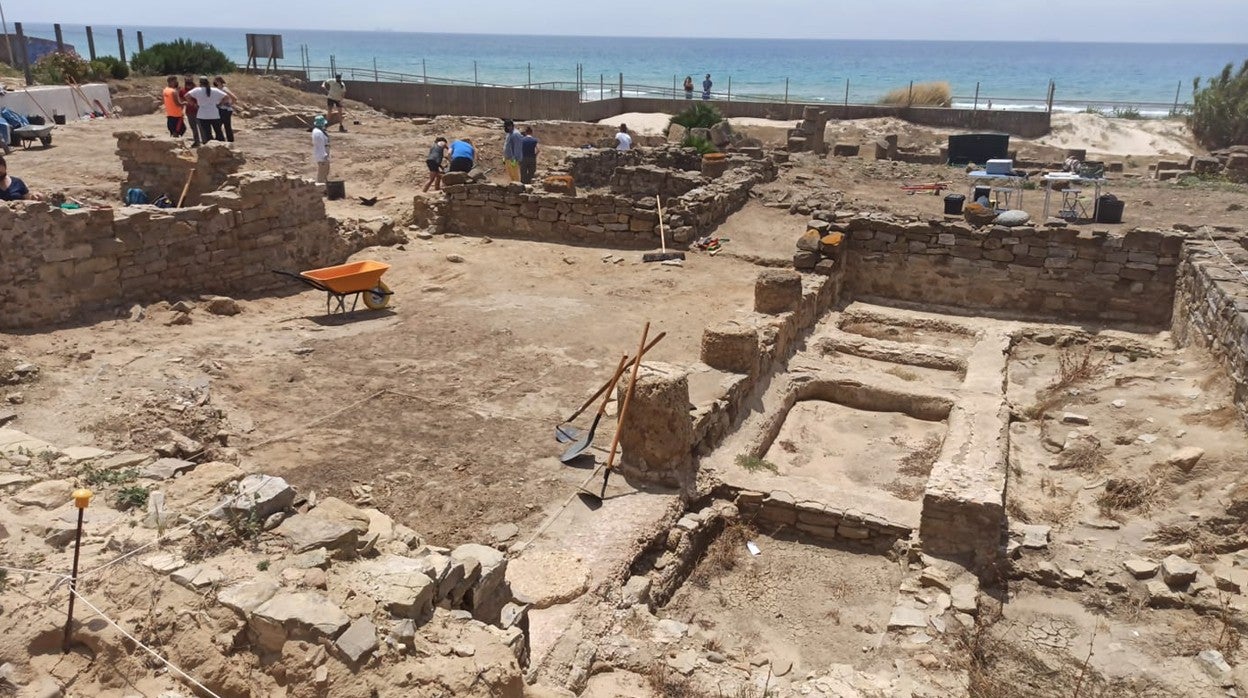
{"x": 999, "y": 167}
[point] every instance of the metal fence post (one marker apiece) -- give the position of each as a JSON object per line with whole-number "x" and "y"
{"x": 375, "y": 77}
{"x": 529, "y": 82}
{"x": 975, "y": 107}
{"x": 846, "y": 92}
{"x": 729, "y": 88}
{"x": 140, "y": 39}
{"x": 786, "y": 90}
{"x": 910, "y": 96}
{"x": 424, "y": 73}
{"x": 90, "y": 43}
{"x": 621, "y": 85}
{"x": 602, "y": 87}
{"x": 60, "y": 39}
{"x": 1178, "y": 89}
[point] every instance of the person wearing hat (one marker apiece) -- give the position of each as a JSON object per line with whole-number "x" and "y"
{"x": 320, "y": 148}
{"x": 208, "y": 109}
{"x": 335, "y": 92}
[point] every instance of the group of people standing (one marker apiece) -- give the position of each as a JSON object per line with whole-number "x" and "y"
{"x": 207, "y": 110}
{"x": 706, "y": 87}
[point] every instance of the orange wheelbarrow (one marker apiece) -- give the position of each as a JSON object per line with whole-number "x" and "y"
{"x": 357, "y": 279}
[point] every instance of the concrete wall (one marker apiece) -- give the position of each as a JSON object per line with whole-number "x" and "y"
{"x": 520, "y": 103}
{"x": 1211, "y": 309}
{"x": 53, "y": 99}
{"x": 59, "y": 264}
{"x": 1036, "y": 272}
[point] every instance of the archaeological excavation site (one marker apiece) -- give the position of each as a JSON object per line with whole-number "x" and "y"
{"x": 872, "y": 449}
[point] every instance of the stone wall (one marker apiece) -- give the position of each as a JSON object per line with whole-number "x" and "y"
{"x": 596, "y": 167}
{"x": 161, "y": 166}
{"x": 578, "y": 134}
{"x": 517, "y": 211}
{"x": 1033, "y": 271}
{"x": 1211, "y": 307}
{"x": 650, "y": 180}
{"x": 59, "y": 264}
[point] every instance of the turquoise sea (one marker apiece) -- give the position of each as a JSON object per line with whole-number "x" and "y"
{"x": 1011, "y": 75}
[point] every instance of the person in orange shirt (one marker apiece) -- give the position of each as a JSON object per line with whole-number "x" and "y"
{"x": 173, "y": 107}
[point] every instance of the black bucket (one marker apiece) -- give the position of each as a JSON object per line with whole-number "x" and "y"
{"x": 335, "y": 189}
{"x": 981, "y": 192}
{"x": 58, "y": 119}
{"x": 953, "y": 204}
{"x": 1109, "y": 209}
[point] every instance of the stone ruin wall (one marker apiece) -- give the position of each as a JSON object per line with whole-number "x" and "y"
{"x": 59, "y": 263}
{"x": 612, "y": 220}
{"x": 1035, "y": 272}
{"x": 596, "y": 167}
{"x": 1211, "y": 307}
{"x": 160, "y": 166}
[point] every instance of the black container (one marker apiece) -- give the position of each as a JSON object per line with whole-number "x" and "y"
{"x": 335, "y": 189}
{"x": 953, "y": 204}
{"x": 981, "y": 193}
{"x": 36, "y": 120}
{"x": 1109, "y": 209}
{"x": 58, "y": 119}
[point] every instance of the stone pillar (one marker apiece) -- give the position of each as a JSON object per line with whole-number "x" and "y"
{"x": 731, "y": 347}
{"x": 777, "y": 291}
{"x": 656, "y": 437}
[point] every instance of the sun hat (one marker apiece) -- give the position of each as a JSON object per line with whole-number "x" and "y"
{"x": 320, "y": 121}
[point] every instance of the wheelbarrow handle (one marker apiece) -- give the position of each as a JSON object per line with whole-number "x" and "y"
{"x": 300, "y": 277}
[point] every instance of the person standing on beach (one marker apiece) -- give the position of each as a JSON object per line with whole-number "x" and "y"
{"x": 335, "y": 92}
{"x": 528, "y": 156}
{"x": 623, "y": 141}
{"x": 208, "y": 110}
{"x": 173, "y": 107}
{"x": 511, "y": 150}
{"x": 463, "y": 155}
{"x": 706, "y": 87}
{"x": 434, "y": 161}
{"x": 190, "y": 108}
{"x": 320, "y": 148}
{"x": 688, "y": 87}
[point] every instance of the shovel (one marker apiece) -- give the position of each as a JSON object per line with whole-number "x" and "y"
{"x": 619, "y": 427}
{"x": 582, "y": 444}
{"x": 664, "y": 255}
{"x": 565, "y": 432}
{"x": 369, "y": 201}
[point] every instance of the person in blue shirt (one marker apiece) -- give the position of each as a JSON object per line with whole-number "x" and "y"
{"x": 511, "y": 150}
{"x": 14, "y": 189}
{"x": 706, "y": 87}
{"x": 528, "y": 156}
{"x": 463, "y": 155}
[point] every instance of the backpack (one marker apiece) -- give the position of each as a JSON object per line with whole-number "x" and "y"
{"x": 162, "y": 201}
{"x": 135, "y": 196}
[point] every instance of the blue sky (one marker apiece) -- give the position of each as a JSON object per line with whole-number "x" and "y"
{"x": 1215, "y": 21}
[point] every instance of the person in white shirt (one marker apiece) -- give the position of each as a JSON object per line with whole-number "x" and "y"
{"x": 623, "y": 141}
{"x": 208, "y": 110}
{"x": 320, "y": 148}
{"x": 335, "y": 92}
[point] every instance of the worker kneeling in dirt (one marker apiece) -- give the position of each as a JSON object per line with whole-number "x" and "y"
{"x": 14, "y": 189}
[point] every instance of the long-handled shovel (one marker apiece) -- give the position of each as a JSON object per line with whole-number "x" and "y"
{"x": 582, "y": 444}
{"x": 565, "y": 432}
{"x": 664, "y": 255}
{"x": 619, "y": 426}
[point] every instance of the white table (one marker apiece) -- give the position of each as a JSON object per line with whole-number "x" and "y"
{"x": 1013, "y": 185}
{"x": 1070, "y": 178}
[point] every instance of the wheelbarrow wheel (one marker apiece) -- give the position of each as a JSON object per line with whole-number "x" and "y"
{"x": 378, "y": 297}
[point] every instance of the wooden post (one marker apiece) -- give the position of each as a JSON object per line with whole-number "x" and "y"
{"x": 910, "y": 96}
{"x": 529, "y": 81}
{"x": 23, "y": 54}
{"x": 8, "y": 42}
{"x": 121, "y": 46}
{"x": 846, "y": 92}
{"x": 786, "y": 90}
{"x": 976, "y": 106}
{"x": 730, "y": 88}
{"x": 1177, "y": 89}
{"x": 375, "y": 78}
{"x": 60, "y": 38}
{"x": 424, "y": 72}
{"x": 621, "y": 85}
{"x": 140, "y": 40}
{"x": 475, "y": 80}
{"x": 91, "y": 43}
{"x": 1052, "y": 91}
{"x": 602, "y": 87}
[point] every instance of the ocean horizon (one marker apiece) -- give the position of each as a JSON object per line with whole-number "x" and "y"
{"x": 1010, "y": 75}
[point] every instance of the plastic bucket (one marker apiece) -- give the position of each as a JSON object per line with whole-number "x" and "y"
{"x": 58, "y": 119}
{"x": 335, "y": 189}
{"x": 953, "y": 204}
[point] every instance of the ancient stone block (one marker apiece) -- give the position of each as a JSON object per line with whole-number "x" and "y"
{"x": 778, "y": 291}
{"x": 731, "y": 347}
{"x": 657, "y": 438}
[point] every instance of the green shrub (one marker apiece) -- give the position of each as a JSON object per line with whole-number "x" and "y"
{"x": 698, "y": 116}
{"x": 181, "y": 57}
{"x": 131, "y": 497}
{"x": 1130, "y": 113}
{"x": 55, "y": 68}
{"x": 1220, "y": 109}
{"x": 923, "y": 94}
{"x": 702, "y": 145}
{"x": 106, "y": 67}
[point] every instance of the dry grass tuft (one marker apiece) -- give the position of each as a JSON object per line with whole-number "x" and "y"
{"x": 1084, "y": 455}
{"x": 1126, "y": 494}
{"x": 909, "y": 491}
{"x": 1075, "y": 365}
{"x": 723, "y": 554}
{"x": 919, "y": 462}
{"x": 1200, "y": 542}
{"x": 924, "y": 94}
